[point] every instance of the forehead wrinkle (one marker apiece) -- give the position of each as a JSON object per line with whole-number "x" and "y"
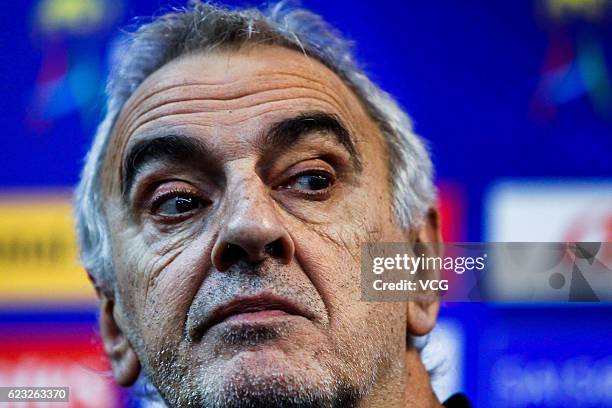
{"x": 126, "y": 126}
{"x": 235, "y": 82}
{"x": 165, "y": 109}
{"x": 226, "y": 84}
{"x": 264, "y": 109}
{"x": 240, "y": 94}
{"x": 179, "y": 99}
{"x": 132, "y": 104}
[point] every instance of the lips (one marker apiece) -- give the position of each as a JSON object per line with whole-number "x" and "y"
{"x": 252, "y": 310}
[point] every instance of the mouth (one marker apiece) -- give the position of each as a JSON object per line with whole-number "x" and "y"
{"x": 259, "y": 310}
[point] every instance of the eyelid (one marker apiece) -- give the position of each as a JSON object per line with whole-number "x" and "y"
{"x": 314, "y": 195}
{"x": 157, "y": 193}
{"x": 305, "y": 172}
{"x": 144, "y": 191}
{"x": 155, "y": 179}
{"x": 312, "y": 164}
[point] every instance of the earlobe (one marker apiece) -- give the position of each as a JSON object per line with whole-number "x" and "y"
{"x": 421, "y": 317}
{"x": 124, "y": 361}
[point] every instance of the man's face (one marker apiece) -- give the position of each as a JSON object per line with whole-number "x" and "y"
{"x": 240, "y": 186}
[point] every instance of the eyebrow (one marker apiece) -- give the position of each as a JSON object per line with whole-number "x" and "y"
{"x": 170, "y": 148}
{"x": 291, "y": 130}
{"x": 283, "y": 134}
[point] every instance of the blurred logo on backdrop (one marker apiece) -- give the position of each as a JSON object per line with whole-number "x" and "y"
{"x": 574, "y": 65}
{"x": 71, "y": 36}
{"x": 536, "y": 362}
{"x": 557, "y": 357}
{"x": 587, "y": 9}
{"x": 549, "y": 211}
{"x": 38, "y": 251}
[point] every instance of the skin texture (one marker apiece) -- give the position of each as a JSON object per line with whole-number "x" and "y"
{"x": 255, "y": 226}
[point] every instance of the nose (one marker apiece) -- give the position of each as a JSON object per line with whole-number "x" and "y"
{"x": 253, "y": 233}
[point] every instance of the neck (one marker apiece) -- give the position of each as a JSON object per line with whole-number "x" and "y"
{"x": 407, "y": 386}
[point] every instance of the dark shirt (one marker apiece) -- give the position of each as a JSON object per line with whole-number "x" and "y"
{"x": 457, "y": 401}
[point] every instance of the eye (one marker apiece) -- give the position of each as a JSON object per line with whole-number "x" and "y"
{"x": 312, "y": 182}
{"x": 177, "y": 205}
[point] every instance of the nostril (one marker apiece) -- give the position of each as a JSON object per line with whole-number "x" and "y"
{"x": 226, "y": 254}
{"x": 232, "y": 254}
{"x": 275, "y": 249}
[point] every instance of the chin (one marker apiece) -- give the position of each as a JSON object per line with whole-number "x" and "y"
{"x": 285, "y": 366}
{"x": 257, "y": 376}
{"x": 261, "y": 366}
{"x": 265, "y": 377}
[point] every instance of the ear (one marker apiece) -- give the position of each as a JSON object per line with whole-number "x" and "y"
{"x": 422, "y": 314}
{"x": 124, "y": 360}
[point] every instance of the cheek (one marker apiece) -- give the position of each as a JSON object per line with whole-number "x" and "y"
{"x": 159, "y": 275}
{"x": 330, "y": 254}
{"x": 358, "y": 330}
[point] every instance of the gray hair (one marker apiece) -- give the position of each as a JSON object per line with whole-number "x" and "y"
{"x": 205, "y": 27}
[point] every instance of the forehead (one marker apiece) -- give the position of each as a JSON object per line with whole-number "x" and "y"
{"x": 230, "y": 96}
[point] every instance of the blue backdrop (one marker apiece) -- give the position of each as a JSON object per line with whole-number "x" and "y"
{"x": 502, "y": 90}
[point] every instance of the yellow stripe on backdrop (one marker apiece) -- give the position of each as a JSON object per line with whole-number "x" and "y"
{"x": 38, "y": 250}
